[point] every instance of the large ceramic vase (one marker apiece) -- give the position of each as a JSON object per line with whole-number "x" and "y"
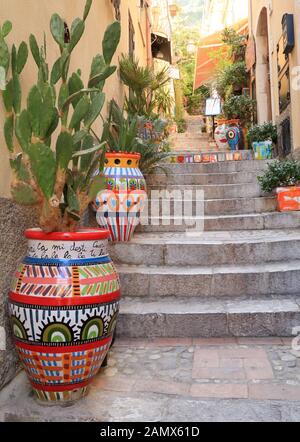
{"x": 119, "y": 207}
{"x": 220, "y": 135}
{"x": 234, "y": 135}
{"x": 228, "y": 135}
{"x": 63, "y": 306}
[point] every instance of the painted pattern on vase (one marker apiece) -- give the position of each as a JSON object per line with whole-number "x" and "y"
{"x": 119, "y": 207}
{"x": 63, "y": 307}
{"x": 220, "y": 135}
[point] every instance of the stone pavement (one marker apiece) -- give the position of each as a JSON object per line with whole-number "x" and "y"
{"x": 173, "y": 380}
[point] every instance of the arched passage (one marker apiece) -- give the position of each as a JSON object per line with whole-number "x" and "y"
{"x": 263, "y": 85}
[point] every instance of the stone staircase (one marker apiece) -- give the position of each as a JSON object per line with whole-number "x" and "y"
{"x": 193, "y": 140}
{"x": 240, "y": 277}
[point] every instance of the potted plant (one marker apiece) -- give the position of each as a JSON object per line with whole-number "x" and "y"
{"x": 240, "y": 107}
{"x": 119, "y": 206}
{"x": 283, "y": 177}
{"x": 262, "y": 138}
{"x": 63, "y": 309}
{"x": 132, "y": 153}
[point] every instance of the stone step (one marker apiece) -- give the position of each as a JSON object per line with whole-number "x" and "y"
{"x": 195, "y": 138}
{"x": 195, "y": 148}
{"x": 212, "y": 207}
{"x": 239, "y": 206}
{"x": 190, "y": 136}
{"x": 251, "y": 221}
{"x": 202, "y": 178}
{"x": 208, "y": 249}
{"x": 156, "y": 282}
{"x": 173, "y": 317}
{"x": 220, "y": 167}
{"x": 211, "y": 191}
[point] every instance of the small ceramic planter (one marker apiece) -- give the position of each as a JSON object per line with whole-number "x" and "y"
{"x": 63, "y": 306}
{"x": 288, "y": 199}
{"x": 119, "y": 207}
{"x": 263, "y": 150}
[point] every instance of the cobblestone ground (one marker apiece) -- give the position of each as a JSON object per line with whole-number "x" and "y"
{"x": 179, "y": 380}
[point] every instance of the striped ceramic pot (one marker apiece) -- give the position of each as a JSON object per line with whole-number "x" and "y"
{"x": 63, "y": 306}
{"x": 119, "y": 207}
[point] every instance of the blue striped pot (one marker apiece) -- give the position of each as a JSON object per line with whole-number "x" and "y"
{"x": 119, "y": 207}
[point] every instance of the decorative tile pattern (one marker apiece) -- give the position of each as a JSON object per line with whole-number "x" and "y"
{"x": 63, "y": 313}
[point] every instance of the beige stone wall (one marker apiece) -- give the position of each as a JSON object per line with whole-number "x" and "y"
{"x": 33, "y": 16}
{"x": 275, "y": 10}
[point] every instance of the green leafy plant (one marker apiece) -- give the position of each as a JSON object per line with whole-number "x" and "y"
{"x": 236, "y": 43}
{"x": 142, "y": 83}
{"x": 120, "y": 132}
{"x": 123, "y": 134}
{"x": 152, "y": 156}
{"x": 164, "y": 101}
{"x": 280, "y": 174}
{"x": 262, "y": 132}
{"x": 181, "y": 125}
{"x": 232, "y": 79}
{"x": 196, "y": 101}
{"x": 55, "y": 173}
{"x": 239, "y": 107}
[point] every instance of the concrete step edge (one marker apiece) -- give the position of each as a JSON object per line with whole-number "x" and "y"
{"x": 261, "y": 268}
{"x": 174, "y": 305}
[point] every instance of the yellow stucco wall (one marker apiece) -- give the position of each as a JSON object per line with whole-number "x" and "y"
{"x": 275, "y": 11}
{"x": 33, "y": 16}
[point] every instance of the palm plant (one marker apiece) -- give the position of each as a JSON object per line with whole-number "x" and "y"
{"x": 152, "y": 155}
{"x": 142, "y": 82}
{"x": 122, "y": 133}
{"x": 164, "y": 101}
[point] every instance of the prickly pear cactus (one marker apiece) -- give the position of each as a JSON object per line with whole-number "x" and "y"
{"x": 50, "y": 171}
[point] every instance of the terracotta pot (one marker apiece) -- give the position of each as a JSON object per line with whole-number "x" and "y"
{"x": 63, "y": 306}
{"x": 119, "y": 207}
{"x": 288, "y": 199}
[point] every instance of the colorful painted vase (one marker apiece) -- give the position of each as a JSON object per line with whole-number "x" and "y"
{"x": 220, "y": 134}
{"x": 63, "y": 306}
{"x": 233, "y": 137}
{"x": 119, "y": 207}
{"x": 228, "y": 134}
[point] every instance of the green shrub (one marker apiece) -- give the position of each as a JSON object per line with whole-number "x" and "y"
{"x": 280, "y": 174}
{"x": 181, "y": 125}
{"x": 240, "y": 107}
{"x": 262, "y": 132}
{"x": 124, "y": 133}
{"x": 232, "y": 78}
